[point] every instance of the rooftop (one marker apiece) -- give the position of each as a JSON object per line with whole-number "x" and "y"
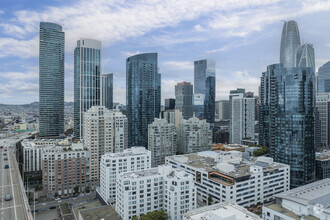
{"x": 218, "y": 161}
{"x": 101, "y": 212}
{"x": 323, "y": 155}
{"x": 314, "y": 193}
{"x": 141, "y": 173}
{"x": 221, "y": 211}
{"x": 128, "y": 152}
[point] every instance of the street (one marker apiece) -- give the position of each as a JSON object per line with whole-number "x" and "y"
{"x": 9, "y": 183}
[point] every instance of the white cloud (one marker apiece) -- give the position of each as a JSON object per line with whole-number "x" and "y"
{"x": 19, "y": 48}
{"x": 129, "y": 53}
{"x": 113, "y": 21}
{"x": 242, "y": 80}
{"x": 178, "y": 65}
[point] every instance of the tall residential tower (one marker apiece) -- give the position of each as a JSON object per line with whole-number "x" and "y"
{"x": 143, "y": 90}
{"x": 87, "y": 69}
{"x": 107, "y": 90}
{"x": 51, "y": 80}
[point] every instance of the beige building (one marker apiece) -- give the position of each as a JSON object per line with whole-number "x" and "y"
{"x": 104, "y": 131}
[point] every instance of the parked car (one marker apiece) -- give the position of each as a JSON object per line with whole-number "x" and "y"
{"x": 43, "y": 209}
{"x": 53, "y": 207}
{"x": 8, "y": 197}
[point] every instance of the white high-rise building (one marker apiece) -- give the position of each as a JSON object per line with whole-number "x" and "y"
{"x": 230, "y": 177}
{"x": 104, "y": 131}
{"x": 194, "y": 135}
{"x": 242, "y": 118}
{"x": 112, "y": 164}
{"x": 161, "y": 188}
{"x": 161, "y": 141}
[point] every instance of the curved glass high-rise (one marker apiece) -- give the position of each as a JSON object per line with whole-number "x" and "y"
{"x": 87, "y": 85}
{"x": 51, "y": 80}
{"x": 287, "y": 119}
{"x": 290, "y": 41}
{"x": 143, "y": 92}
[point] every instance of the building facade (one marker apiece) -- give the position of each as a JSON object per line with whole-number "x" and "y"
{"x": 242, "y": 117}
{"x": 87, "y": 85}
{"x": 322, "y": 161}
{"x": 113, "y": 164}
{"x": 143, "y": 93}
{"x": 323, "y": 78}
{"x": 155, "y": 189}
{"x": 98, "y": 137}
{"x": 222, "y": 109}
{"x": 228, "y": 177}
{"x": 184, "y": 99}
{"x": 204, "y": 82}
{"x": 194, "y": 135}
{"x": 161, "y": 141}
{"x": 290, "y": 41}
{"x": 173, "y": 116}
{"x": 64, "y": 170}
{"x": 169, "y": 104}
{"x": 322, "y": 121}
{"x": 107, "y": 90}
{"x": 51, "y": 80}
{"x": 286, "y": 122}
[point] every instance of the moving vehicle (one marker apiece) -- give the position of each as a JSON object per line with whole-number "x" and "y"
{"x": 6, "y": 166}
{"x": 8, "y": 197}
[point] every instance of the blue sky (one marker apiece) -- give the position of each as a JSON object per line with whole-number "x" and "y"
{"x": 242, "y": 36}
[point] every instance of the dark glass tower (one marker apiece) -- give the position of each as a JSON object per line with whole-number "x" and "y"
{"x": 51, "y": 80}
{"x": 169, "y": 104}
{"x": 87, "y": 92}
{"x": 287, "y": 119}
{"x": 204, "y": 83}
{"x": 290, "y": 41}
{"x": 323, "y": 79}
{"x": 143, "y": 93}
{"x": 184, "y": 99}
{"x": 107, "y": 90}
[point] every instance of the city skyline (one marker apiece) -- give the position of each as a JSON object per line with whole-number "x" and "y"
{"x": 237, "y": 30}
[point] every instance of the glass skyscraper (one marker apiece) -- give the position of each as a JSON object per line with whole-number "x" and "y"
{"x": 51, "y": 80}
{"x": 107, "y": 90}
{"x": 204, "y": 83}
{"x": 287, "y": 119}
{"x": 290, "y": 41}
{"x": 184, "y": 99}
{"x": 323, "y": 79}
{"x": 305, "y": 56}
{"x": 87, "y": 65}
{"x": 143, "y": 93}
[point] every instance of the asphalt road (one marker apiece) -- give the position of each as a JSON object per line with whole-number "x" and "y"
{"x": 9, "y": 184}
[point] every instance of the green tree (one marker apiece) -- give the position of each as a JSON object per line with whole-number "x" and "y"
{"x": 56, "y": 195}
{"x": 76, "y": 189}
{"x": 155, "y": 215}
{"x": 135, "y": 217}
{"x": 209, "y": 200}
